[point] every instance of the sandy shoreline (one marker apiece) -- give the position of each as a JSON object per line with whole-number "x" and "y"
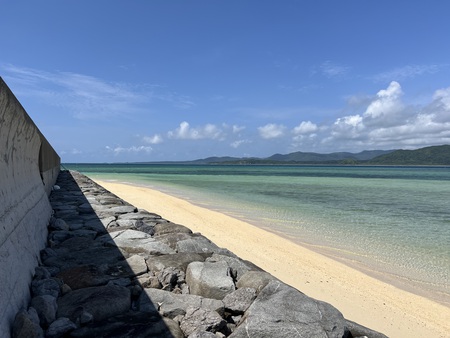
{"x": 361, "y": 298}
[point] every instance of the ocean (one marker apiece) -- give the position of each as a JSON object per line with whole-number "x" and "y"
{"x": 390, "y": 222}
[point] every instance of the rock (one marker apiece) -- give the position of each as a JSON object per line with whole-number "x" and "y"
{"x": 26, "y": 326}
{"x": 133, "y": 241}
{"x": 46, "y": 309}
{"x": 358, "y": 330}
{"x": 58, "y": 224}
{"x": 210, "y": 280}
{"x": 60, "y": 327}
{"x": 167, "y": 228}
{"x": 131, "y": 325}
{"x": 254, "y": 279}
{"x": 137, "y": 265}
{"x": 237, "y": 265}
{"x": 172, "y": 305}
{"x": 197, "y": 244}
{"x": 282, "y": 311}
{"x": 169, "y": 277}
{"x": 43, "y": 287}
{"x": 238, "y": 301}
{"x": 41, "y": 273}
{"x": 198, "y": 319}
{"x": 202, "y": 334}
{"x": 101, "y": 301}
{"x": 83, "y": 276}
{"x": 172, "y": 239}
{"x": 177, "y": 260}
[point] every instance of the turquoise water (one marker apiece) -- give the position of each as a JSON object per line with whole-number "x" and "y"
{"x": 393, "y": 221}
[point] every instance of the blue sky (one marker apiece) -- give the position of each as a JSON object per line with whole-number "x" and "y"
{"x": 118, "y": 81}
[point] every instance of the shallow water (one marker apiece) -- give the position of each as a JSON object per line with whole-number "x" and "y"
{"x": 393, "y": 221}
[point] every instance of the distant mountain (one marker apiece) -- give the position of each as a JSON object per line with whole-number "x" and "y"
{"x": 316, "y": 157}
{"x": 435, "y": 155}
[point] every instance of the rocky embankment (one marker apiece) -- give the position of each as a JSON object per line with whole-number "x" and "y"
{"x": 111, "y": 270}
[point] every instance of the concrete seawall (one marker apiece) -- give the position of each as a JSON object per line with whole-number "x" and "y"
{"x": 29, "y": 167}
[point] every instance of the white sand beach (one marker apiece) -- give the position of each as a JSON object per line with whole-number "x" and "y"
{"x": 361, "y": 298}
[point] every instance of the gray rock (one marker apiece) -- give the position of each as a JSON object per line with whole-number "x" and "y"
{"x": 172, "y": 305}
{"x": 46, "y": 309}
{"x": 282, "y": 311}
{"x": 358, "y": 330}
{"x": 199, "y": 319}
{"x": 255, "y": 279}
{"x": 101, "y": 301}
{"x": 169, "y": 277}
{"x": 198, "y": 244}
{"x": 45, "y": 287}
{"x": 172, "y": 239}
{"x": 177, "y": 260}
{"x": 238, "y": 301}
{"x": 133, "y": 241}
{"x": 210, "y": 280}
{"x": 60, "y": 327}
{"x": 167, "y": 228}
{"x": 237, "y": 265}
{"x": 202, "y": 334}
{"x": 136, "y": 264}
{"x": 25, "y": 326}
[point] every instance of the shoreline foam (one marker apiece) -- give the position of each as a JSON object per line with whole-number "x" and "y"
{"x": 360, "y": 297}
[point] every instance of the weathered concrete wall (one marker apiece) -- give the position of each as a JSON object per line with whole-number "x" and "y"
{"x": 28, "y": 169}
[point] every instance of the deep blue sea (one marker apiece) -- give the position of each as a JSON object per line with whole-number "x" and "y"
{"x": 390, "y": 221}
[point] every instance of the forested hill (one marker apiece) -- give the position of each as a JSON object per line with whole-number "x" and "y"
{"x": 436, "y": 155}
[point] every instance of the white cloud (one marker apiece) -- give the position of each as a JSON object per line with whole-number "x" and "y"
{"x": 306, "y": 127}
{"x": 155, "y": 139}
{"x": 133, "y": 149}
{"x": 387, "y": 104}
{"x": 237, "y": 129}
{"x": 271, "y": 130}
{"x": 186, "y": 132}
{"x": 238, "y": 143}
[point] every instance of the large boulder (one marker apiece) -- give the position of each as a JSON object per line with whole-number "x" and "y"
{"x": 178, "y": 260}
{"x": 198, "y": 319}
{"x": 282, "y": 311}
{"x": 171, "y": 305}
{"x": 209, "y": 279}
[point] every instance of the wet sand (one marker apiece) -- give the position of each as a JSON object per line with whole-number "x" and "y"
{"x": 361, "y": 298}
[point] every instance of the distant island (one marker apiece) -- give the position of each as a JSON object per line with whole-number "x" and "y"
{"x": 434, "y": 155}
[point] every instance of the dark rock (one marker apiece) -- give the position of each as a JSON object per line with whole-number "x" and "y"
{"x": 46, "y": 309}
{"x": 26, "y": 325}
{"x": 210, "y": 280}
{"x": 60, "y": 327}
{"x": 131, "y": 325}
{"x": 238, "y": 301}
{"x": 199, "y": 319}
{"x": 282, "y": 311}
{"x": 41, "y": 273}
{"x": 101, "y": 301}
{"x": 83, "y": 276}
{"x": 58, "y": 224}
{"x": 202, "y": 334}
{"x": 43, "y": 287}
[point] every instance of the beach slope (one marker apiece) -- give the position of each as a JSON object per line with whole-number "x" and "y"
{"x": 361, "y": 298}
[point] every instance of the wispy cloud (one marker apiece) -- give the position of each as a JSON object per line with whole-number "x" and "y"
{"x": 186, "y": 132}
{"x": 87, "y": 97}
{"x": 333, "y": 70}
{"x": 271, "y": 130}
{"x": 133, "y": 149}
{"x": 408, "y": 72}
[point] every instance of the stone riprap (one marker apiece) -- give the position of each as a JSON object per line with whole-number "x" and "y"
{"x": 112, "y": 270}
